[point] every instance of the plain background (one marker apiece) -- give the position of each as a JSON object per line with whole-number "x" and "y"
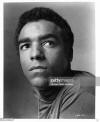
{"x": 19, "y": 101}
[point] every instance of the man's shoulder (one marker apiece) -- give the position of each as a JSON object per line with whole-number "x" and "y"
{"x": 86, "y": 80}
{"x": 79, "y": 99}
{"x": 84, "y": 74}
{"x": 81, "y": 81}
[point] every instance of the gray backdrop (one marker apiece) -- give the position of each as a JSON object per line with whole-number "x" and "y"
{"x": 19, "y": 101}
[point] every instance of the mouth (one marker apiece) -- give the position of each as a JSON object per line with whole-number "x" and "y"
{"x": 37, "y": 67}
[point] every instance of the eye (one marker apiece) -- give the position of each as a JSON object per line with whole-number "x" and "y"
{"x": 24, "y": 46}
{"x": 49, "y": 43}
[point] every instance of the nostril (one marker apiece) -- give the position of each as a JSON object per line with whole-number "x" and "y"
{"x": 37, "y": 57}
{"x": 32, "y": 58}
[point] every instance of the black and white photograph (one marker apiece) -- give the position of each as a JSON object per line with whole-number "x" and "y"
{"x": 49, "y": 60}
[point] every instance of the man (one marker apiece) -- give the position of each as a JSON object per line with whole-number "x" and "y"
{"x": 44, "y": 41}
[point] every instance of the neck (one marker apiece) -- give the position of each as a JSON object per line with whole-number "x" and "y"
{"x": 49, "y": 93}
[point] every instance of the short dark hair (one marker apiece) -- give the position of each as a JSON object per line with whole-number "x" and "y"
{"x": 40, "y": 13}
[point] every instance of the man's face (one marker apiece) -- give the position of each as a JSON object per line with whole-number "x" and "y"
{"x": 41, "y": 51}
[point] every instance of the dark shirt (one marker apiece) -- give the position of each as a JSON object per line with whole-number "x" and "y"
{"x": 74, "y": 100}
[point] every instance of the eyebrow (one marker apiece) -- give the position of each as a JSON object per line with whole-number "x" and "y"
{"x": 42, "y": 37}
{"x": 48, "y": 36}
{"x": 23, "y": 41}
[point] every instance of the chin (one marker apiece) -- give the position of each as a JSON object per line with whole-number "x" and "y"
{"x": 39, "y": 82}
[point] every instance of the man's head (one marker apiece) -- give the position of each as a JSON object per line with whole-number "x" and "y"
{"x": 44, "y": 41}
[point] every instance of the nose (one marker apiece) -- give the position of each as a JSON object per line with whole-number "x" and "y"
{"x": 36, "y": 52}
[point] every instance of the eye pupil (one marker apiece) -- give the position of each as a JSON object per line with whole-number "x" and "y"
{"x": 50, "y": 43}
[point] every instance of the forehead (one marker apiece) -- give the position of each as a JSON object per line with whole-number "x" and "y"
{"x": 39, "y": 28}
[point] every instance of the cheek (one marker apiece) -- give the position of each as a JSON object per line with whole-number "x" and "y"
{"x": 55, "y": 56}
{"x": 24, "y": 62}
{"x": 57, "y": 62}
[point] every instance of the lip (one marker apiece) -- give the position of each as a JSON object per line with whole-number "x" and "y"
{"x": 37, "y": 67}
